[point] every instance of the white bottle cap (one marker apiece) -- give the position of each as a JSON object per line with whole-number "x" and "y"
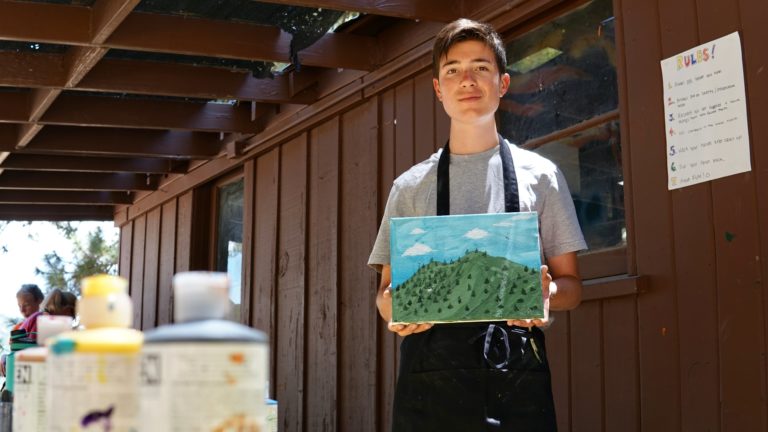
{"x": 51, "y": 325}
{"x": 104, "y": 302}
{"x": 200, "y": 295}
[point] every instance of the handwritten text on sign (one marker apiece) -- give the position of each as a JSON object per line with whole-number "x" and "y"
{"x": 705, "y": 113}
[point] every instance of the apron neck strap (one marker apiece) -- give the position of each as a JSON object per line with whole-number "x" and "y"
{"x": 511, "y": 195}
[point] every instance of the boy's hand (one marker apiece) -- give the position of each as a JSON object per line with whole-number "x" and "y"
{"x": 546, "y": 280}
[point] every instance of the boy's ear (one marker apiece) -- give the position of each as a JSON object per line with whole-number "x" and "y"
{"x": 436, "y": 86}
{"x": 504, "y": 84}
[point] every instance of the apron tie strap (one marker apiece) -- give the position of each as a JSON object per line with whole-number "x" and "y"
{"x": 492, "y": 328}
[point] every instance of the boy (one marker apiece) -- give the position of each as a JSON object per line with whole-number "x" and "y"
{"x": 488, "y": 376}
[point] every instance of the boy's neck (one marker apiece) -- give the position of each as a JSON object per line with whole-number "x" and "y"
{"x": 470, "y": 139}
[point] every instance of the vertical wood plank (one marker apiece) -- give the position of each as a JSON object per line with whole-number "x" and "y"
{"x": 184, "y": 232}
{"x": 586, "y": 368}
{"x": 265, "y": 251}
{"x": 741, "y": 313}
{"x": 322, "y": 294}
{"x": 290, "y": 296}
{"x": 620, "y": 359}
{"x": 358, "y": 319}
{"x": 754, "y": 32}
{"x": 249, "y": 215}
{"x": 167, "y": 263}
{"x": 559, "y": 356}
{"x": 126, "y": 243}
{"x": 657, "y": 308}
{"x": 424, "y": 116}
{"x": 151, "y": 264}
{"x": 694, "y": 260}
{"x": 388, "y": 341}
{"x": 404, "y": 147}
{"x": 137, "y": 272}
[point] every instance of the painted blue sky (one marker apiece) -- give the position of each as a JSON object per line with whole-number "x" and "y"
{"x": 417, "y": 240}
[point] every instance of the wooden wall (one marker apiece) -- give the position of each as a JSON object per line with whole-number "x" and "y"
{"x": 686, "y": 353}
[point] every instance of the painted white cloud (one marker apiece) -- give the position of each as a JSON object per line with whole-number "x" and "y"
{"x": 417, "y": 231}
{"x": 506, "y": 223}
{"x": 476, "y": 234}
{"x": 417, "y": 249}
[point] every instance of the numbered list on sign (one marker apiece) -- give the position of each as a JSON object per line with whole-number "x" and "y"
{"x": 705, "y": 113}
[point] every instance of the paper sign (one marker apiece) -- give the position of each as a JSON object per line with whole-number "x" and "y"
{"x": 705, "y": 113}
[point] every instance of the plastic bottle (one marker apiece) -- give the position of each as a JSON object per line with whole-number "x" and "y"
{"x": 93, "y": 373}
{"x": 203, "y": 373}
{"x": 29, "y": 406}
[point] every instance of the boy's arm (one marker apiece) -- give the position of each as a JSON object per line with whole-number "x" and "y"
{"x": 384, "y": 305}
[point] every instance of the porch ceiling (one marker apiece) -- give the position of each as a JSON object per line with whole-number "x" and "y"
{"x": 101, "y": 100}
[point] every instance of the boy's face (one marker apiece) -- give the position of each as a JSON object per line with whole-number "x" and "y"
{"x": 27, "y": 304}
{"x": 469, "y": 84}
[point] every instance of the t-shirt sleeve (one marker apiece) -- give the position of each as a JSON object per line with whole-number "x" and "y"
{"x": 394, "y": 208}
{"x": 560, "y": 229}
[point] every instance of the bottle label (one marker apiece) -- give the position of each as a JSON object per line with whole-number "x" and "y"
{"x": 203, "y": 387}
{"x": 93, "y": 391}
{"x": 29, "y": 396}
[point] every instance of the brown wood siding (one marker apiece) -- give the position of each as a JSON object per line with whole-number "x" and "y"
{"x": 322, "y": 278}
{"x": 167, "y": 263}
{"x": 290, "y": 293}
{"x": 357, "y": 289}
{"x": 657, "y": 309}
{"x": 685, "y": 353}
{"x": 265, "y": 251}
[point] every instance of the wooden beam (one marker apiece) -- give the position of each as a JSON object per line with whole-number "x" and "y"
{"x": 422, "y": 10}
{"x": 33, "y": 212}
{"x": 32, "y": 162}
{"x": 76, "y": 181}
{"x": 169, "y": 79}
{"x": 107, "y": 16}
{"x": 126, "y": 142}
{"x": 14, "y": 107}
{"x": 44, "y": 22}
{"x": 167, "y": 34}
{"x": 10, "y": 196}
{"x": 81, "y": 110}
{"x": 31, "y": 70}
{"x": 155, "y": 78}
{"x": 212, "y": 38}
{"x": 103, "y": 18}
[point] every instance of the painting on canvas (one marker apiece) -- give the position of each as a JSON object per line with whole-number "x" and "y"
{"x": 483, "y": 267}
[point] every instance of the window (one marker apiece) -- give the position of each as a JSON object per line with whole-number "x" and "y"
{"x": 563, "y": 104}
{"x": 229, "y": 240}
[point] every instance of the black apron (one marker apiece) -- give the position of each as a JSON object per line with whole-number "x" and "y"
{"x": 474, "y": 377}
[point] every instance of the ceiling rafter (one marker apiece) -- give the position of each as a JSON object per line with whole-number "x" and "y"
{"x": 103, "y": 19}
{"x": 184, "y": 35}
{"x": 423, "y": 10}
{"x": 41, "y": 162}
{"x": 153, "y": 78}
{"x": 53, "y": 212}
{"x": 125, "y": 142}
{"x": 77, "y": 181}
{"x": 11, "y": 196}
{"x": 75, "y": 109}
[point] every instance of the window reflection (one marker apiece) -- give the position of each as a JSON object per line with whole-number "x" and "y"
{"x": 562, "y": 103}
{"x": 229, "y": 240}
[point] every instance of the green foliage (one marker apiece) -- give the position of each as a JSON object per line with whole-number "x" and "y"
{"x": 498, "y": 288}
{"x": 95, "y": 255}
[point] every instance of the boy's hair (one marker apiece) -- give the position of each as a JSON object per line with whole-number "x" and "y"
{"x": 59, "y": 302}
{"x": 31, "y": 289}
{"x": 463, "y": 30}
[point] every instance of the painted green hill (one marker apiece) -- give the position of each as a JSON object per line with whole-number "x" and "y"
{"x": 476, "y": 287}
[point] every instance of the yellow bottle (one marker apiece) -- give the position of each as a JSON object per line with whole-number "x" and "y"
{"x": 93, "y": 373}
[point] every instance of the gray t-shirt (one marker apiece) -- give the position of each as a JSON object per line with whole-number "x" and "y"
{"x": 477, "y": 186}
